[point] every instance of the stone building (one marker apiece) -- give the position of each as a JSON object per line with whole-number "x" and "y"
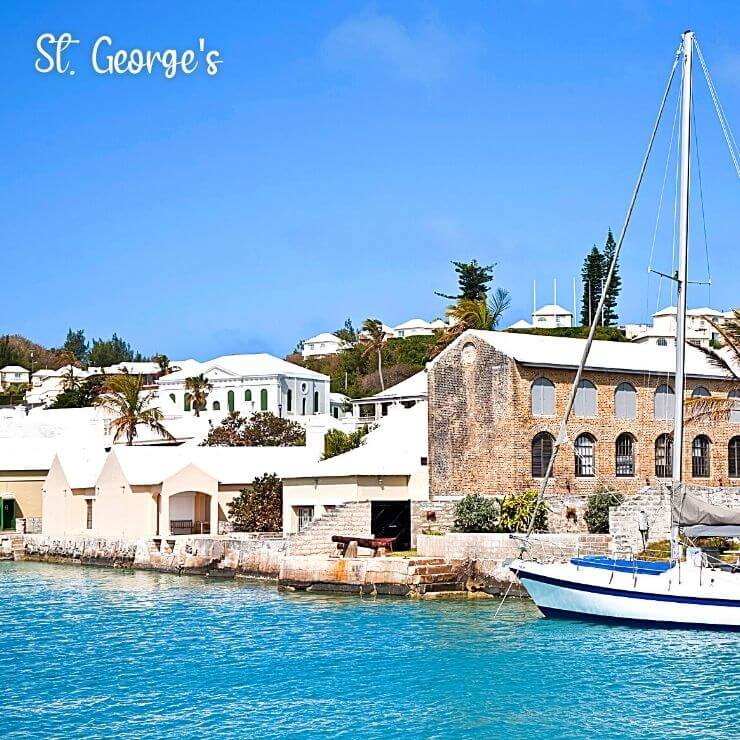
{"x": 496, "y": 400}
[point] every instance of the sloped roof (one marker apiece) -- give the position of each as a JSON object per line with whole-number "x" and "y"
{"x": 82, "y": 465}
{"x": 548, "y": 351}
{"x": 27, "y": 454}
{"x": 672, "y": 311}
{"x": 414, "y": 386}
{"x": 325, "y": 337}
{"x": 552, "y": 309}
{"x": 228, "y": 465}
{"x": 246, "y": 366}
{"x": 521, "y": 324}
{"x": 414, "y": 324}
{"x": 394, "y": 447}
{"x": 13, "y": 369}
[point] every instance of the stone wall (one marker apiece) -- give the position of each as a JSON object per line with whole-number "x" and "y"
{"x": 436, "y": 515}
{"x": 481, "y": 426}
{"x": 656, "y": 503}
{"x": 28, "y": 525}
{"x": 349, "y": 519}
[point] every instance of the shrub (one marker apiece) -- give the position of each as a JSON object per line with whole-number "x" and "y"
{"x": 337, "y": 442}
{"x": 259, "y": 508}
{"x": 597, "y": 509}
{"x": 476, "y": 513}
{"x": 260, "y": 430}
{"x": 516, "y": 512}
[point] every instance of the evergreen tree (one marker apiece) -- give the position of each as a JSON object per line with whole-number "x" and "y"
{"x": 592, "y": 275}
{"x": 111, "y": 352}
{"x": 76, "y": 345}
{"x": 612, "y": 293}
{"x": 347, "y": 333}
{"x": 472, "y": 281}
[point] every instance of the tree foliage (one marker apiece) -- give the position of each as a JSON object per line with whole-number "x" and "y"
{"x": 517, "y": 510}
{"x": 337, "y": 442}
{"x": 198, "y": 386}
{"x": 604, "y": 333}
{"x": 593, "y": 275}
{"x": 260, "y": 430}
{"x": 259, "y": 508}
{"x": 79, "y": 396}
{"x": 111, "y": 351}
{"x": 76, "y": 345}
{"x": 347, "y": 333}
{"x": 476, "y": 513}
{"x": 472, "y": 281}
{"x": 596, "y": 515}
{"x": 615, "y": 286}
{"x": 373, "y": 341}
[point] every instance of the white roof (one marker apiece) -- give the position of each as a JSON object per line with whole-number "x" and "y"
{"x": 13, "y": 369}
{"x": 438, "y": 324}
{"x": 228, "y": 465}
{"x": 44, "y": 372}
{"x": 394, "y": 447}
{"x": 414, "y": 324}
{"x": 27, "y": 454}
{"x": 672, "y": 311}
{"x": 521, "y": 324}
{"x": 135, "y": 368}
{"x": 64, "y": 370}
{"x": 325, "y": 337}
{"x": 82, "y": 466}
{"x": 414, "y": 387}
{"x": 548, "y": 351}
{"x": 552, "y": 309}
{"x": 245, "y": 366}
{"x": 338, "y": 398}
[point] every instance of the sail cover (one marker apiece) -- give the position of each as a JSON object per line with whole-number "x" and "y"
{"x": 690, "y": 510}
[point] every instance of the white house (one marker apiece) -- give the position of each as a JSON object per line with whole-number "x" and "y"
{"x": 552, "y": 316}
{"x": 249, "y": 384}
{"x": 662, "y": 333}
{"x": 521, "y": 324}
{"x": 407, "y": 394}
{"x": 13, "y": 375}
{"x": 414, "y": 328}
{"x": 46, "y": 384}
{"x": 322, "y": 345}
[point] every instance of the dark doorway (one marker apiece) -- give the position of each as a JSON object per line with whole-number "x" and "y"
{"x": 7, "y": 517}
{"x": 392, "y": 519}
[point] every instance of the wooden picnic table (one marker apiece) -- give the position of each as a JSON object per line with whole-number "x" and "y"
{"x": 371, "y": 543}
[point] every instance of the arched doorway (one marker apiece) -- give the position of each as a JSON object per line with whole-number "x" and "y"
{"x": 189, "y": 512}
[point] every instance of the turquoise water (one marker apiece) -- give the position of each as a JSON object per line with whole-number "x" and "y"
{"x": 89, "y": 653}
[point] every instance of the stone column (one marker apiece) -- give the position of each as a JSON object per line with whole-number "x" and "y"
{"x": 214, "y": 514}
{"x": 164, "y": 516}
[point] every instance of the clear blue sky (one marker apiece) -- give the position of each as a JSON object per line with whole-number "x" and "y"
{"x": 342, "y": 156}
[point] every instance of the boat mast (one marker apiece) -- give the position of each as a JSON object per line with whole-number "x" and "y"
{"x": 683, "y": 255}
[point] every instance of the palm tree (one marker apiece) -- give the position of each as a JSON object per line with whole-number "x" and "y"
{"x": 199, "y": 388}
{"x": 469, "y": 314}
{"x": 164, "y": 363}
{"x": 727, "y": 359}
{"x": 374, "y": 339}
{"x": 130, "y": 407}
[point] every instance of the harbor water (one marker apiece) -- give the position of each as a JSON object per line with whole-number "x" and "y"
{"x": 89, "y": 652}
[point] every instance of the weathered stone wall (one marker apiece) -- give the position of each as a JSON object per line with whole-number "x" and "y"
{"x": 436, "y": 515}
{"x": 656, "y": 503}
{"x": 345, "y": 519}
{"x": 28, "y": 525}
{"x": 481, "y": 426}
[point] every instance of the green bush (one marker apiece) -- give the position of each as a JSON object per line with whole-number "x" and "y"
{"x": 597, "y": 510}
{"x": 516, "y": 513}
{"x": 337, "y": 442}
{"x": 258, "y": 508}
{"x": 476, "y": 513}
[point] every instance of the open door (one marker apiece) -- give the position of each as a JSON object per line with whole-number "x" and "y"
{"x": 7, "y": 519}
{"x": 392, "y": 519}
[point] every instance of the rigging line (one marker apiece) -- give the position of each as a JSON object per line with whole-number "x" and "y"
{"x": 701, "y": 200}
{"x": 723, "y": 122}
{"x": 562, "y": 435}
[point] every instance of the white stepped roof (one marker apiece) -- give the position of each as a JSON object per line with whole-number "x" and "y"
{"x": 325, "y": 337}
{"x": 521, "y": 324}
{"x": 548, "y": 351}
{"x": 13, "y": 369}
{"x": 414, "y": 324}
{"x": 82, "y": 466}
{"x": 413, "y": 387}
{"x": 245, "y": 366}
{"x": 394, "y": 447}
{"x": 228, "y": 465}
{"x": 552, "y": 309}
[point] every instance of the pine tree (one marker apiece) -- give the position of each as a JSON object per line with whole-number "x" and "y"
{"x": 76, "y": 344}
{"x": 592, "y": 275}
{"x": 472, "y": 281}
{"x": 615, "y": 287}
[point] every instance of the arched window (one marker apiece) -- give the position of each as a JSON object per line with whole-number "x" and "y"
{"x": 664, "y": 456}
{"x": 290, "y": 399}
{"x": 700, "y": 457}
{"x": 543, "y": 397}
{"x": 700, "y": 392}
{"x": 216, "y": 406}
{"x": 541, "y": 453}
{"x": 734, "y": 395}
{"x": 248, "y": 395}
{"x": 585, "y": 403}
{"x": 625, "y": 455}
{"x": 665, "y": 400}
{"x": 316, "y": 402}
{"x": 230, "y": 401}
{"x": 263, "y": 399}
{"x": 625, "y": 401}
{"x": 585, "y": 454}
{"x": 173, "y": 398}
{"x": 187, "y": 401}
{"x": 733, "y": 457}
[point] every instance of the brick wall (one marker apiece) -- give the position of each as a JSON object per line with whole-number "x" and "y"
{"x": 481, "y": 426}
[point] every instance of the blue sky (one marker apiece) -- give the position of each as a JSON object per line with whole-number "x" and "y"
{"x": 341, "y": 157}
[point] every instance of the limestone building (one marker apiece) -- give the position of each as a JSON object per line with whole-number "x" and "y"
{"x": 496, "y": 400}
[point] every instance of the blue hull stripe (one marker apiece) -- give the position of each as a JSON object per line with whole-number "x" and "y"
{"x": 589, "y": 588}
{"x": 630, "y": 622}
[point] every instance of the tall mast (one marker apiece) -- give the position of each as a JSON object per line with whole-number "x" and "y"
{"x": 683, "y": 254}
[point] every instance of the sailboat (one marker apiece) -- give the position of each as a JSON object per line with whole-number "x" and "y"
{"x": 690, "y": 592}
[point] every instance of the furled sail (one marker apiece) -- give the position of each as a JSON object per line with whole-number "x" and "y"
{"x": 702, "y": 519}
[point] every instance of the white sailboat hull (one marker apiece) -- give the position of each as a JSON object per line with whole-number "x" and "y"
{"x": 708, "y": 599}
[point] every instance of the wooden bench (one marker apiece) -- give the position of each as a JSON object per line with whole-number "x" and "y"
{"x": 379, "y": 545}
